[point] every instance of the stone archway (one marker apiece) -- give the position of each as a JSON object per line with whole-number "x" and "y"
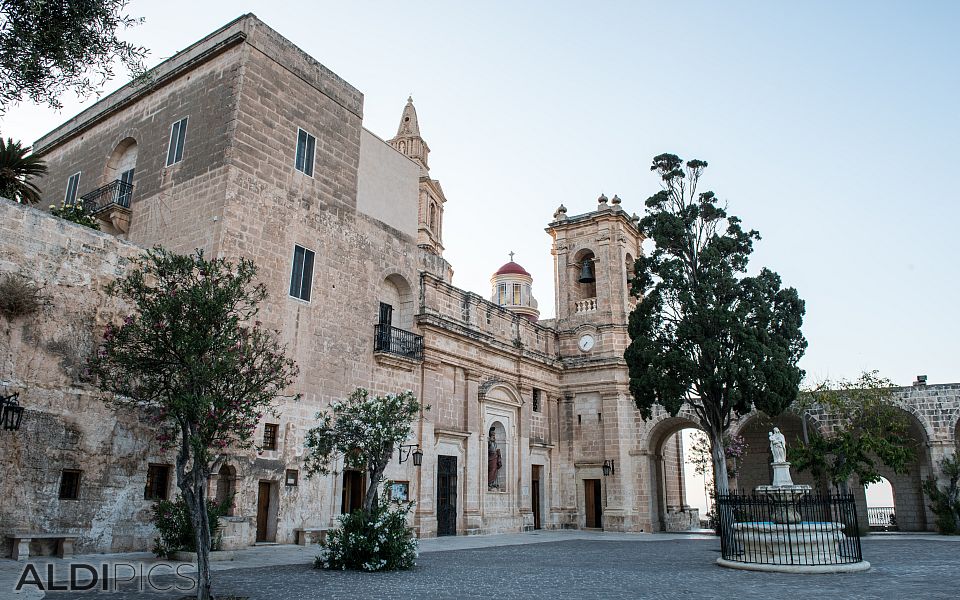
{"x": 668, "y": 507}
{"x": 755, "y": 469}
{"x": 912, "y": 511}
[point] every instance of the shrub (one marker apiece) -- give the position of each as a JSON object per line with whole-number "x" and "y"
{"x": 18, "y": 296}
{"x": 378, "y": 540}
{"x": 175, "y": 529}
{"x": 945, "y": 503}
{"x": 76, "y": 214}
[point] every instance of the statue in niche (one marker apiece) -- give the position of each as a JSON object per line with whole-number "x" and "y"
{"x": 494, "y": 460}
{"x": 778, "y": 446}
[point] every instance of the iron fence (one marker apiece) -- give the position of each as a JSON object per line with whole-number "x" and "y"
{"x": 882, "y": 517}
{"x": 789, "y": 529}
{"x": 397, "y": 341}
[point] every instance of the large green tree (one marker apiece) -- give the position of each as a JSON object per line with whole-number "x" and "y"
{"x": 867, "y": 429}
{"x": 48, "y": 47}
{"x": 18, "y": 168}
{"x": 194, "y": 362}
{"x": 705, "y": 335}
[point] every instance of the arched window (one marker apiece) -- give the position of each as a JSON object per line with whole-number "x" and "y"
{"x": 585, "y": 264}
{"x": 227, "y": 486}
{"x": 121, "y": 166}
{"x": 395, "y": 292}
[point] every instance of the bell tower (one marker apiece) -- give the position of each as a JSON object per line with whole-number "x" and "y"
{"x": 593, "y": 262}
{"x": 430, "y": 218}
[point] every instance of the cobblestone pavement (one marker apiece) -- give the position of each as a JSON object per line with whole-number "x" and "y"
{"x": 598, "y": 568}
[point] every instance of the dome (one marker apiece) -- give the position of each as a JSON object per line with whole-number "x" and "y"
{"x": 511, "y": 268}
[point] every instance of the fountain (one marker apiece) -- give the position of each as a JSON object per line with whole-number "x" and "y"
{"x": 777, "y": 538}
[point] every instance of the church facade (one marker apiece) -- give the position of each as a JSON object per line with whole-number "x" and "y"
{"x": 243, "y": 145}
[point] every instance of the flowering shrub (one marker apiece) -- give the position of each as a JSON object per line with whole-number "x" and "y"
{"x": 378, "y": 540}
{"x": 175, "y": 529}
{"x": 734, "y": 448}
{"x": 75, "y": 213}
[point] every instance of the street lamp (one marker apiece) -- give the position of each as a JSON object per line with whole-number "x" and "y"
{"x": 407, "y": 449}
{"x": 609, "y": 468}
{"x": 11, "y": 413}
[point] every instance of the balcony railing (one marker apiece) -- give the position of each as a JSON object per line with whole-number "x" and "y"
{"x": 882, "y": 517}
{"x": 397, "y": 341}
{"x": 587, "y": 305}
{"x": 115, "y": 193}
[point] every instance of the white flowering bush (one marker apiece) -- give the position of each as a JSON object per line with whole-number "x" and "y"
{"x": 374, "y": 540}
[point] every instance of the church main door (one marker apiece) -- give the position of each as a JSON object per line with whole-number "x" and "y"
{"x": 592, "y": 505}
{"x": 446, "y": 495}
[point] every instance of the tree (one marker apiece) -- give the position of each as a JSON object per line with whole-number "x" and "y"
{"x": 17, "y": 168}
{"x": 47, "y": 48}
{"x": 705, "y": 335}
{"x": 364, "y": 430}
{"x": 194, "y": 362}
{"x": 945, "y": 503}
{"x": 867, "y": 428}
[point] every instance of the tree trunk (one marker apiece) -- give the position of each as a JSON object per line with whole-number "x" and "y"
{"x": 720, "y": 480}
{"x": 197, "y": 501}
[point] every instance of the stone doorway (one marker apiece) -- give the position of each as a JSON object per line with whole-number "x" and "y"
{"x": 593, "y": 504}
{"x": 354, "y": 490}
{"x": 266, "y": 512}
{"x": 446, "y": 495}
{"x": 535, "y": 495}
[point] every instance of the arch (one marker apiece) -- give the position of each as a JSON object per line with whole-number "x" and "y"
{"x": 122, "y": 159}
{"x": 881, "y": 505}
{"x": 908, "y": 497}
{"x": 755, "y": 468}
{"x": 226, "y": 486}
{"x": 503, "y": 392}
{"x": 584, "y": 290}
{"x": 395, "y": 291}
{"x": 668, "y": 504}
{"x": 497, "y": 457}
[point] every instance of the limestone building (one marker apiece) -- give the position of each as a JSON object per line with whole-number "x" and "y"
{"x": 243, "y": 145}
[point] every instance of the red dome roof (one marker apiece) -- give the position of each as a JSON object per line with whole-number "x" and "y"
{"x": 511, "y": 268}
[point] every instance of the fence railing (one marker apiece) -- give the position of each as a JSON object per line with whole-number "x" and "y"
{"x": 114, "y": 193}
{"x": 820, "y": 529}
{"x": 882, "y": 517}
{"x": 397, "y": 341}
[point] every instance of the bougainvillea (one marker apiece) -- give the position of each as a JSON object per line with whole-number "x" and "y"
{"x": 194, "y": 362}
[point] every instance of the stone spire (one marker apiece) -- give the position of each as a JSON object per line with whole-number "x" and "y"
{"x": 408, "y": 140}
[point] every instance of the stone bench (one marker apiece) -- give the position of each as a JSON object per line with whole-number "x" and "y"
{"x": 21, "y": 543}
{"x": 307, "y": 536}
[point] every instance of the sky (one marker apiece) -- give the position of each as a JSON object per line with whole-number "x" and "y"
{"x": 830, "y": 127}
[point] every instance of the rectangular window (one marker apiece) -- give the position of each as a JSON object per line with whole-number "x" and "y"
{"x": 536, "y": 399}
{"x": 70, "y": 484}
{"x": 158, "y": 482}
{"x": 73, "y": 184}
{"x": 306, "y": 148}
{"x": 516, "y": 294}
{"x": 293, "y": 476}
{"x": 301, "y": 276}
{"x": 270, "y": 436}
{"x": 178, "y": 134}
{"x": 502, "y": 294}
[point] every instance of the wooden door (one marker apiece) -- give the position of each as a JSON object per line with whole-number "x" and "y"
{"x": 535, "y": 496}
{"x": 592, "y": 504}
{"x": 354, "y": 490}
{"x": 263, "y": 510}
{"x": 446, "y": 495}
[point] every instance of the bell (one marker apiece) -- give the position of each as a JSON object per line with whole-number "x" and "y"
{"x": 586, "y": 272}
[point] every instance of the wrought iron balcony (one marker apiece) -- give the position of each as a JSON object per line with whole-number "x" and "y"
{"x": 115, "y": 193}
{"x": 397, "y": 341}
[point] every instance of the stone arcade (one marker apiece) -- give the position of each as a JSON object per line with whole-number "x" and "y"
{"x": 243, "y": 145}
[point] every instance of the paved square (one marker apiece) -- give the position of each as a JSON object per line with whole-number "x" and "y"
{"x": 600, "y": 568}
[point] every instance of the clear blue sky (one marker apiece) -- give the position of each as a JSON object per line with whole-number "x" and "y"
{"x": 831, "y": 127}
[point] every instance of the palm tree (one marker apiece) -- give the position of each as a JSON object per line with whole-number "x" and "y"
{"x": 17, "y": 167}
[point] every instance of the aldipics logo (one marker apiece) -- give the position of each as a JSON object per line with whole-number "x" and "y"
{"x": 108, "y": 577}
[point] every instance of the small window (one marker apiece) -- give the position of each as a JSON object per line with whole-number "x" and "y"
{"x": 502, "y": 294}
{"x": 306, "y": 149}
{"x": 516, "y": 294}
{"x": 70, "y": 484}
{"x": 178, "y": 134}
{"x": 73, "y": 184}
{"x": 536, "y": 399}
{"x": 270, "y": 436}
{"x": 301, "y": 276}
{"x": 158, "y": 482}
{"x": 432, "y": 218}
{"x": 293, "y": 477}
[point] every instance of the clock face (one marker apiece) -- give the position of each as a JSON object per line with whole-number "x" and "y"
{"x": 586, "y": 342}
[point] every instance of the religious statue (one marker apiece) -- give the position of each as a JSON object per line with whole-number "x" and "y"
{"x": 778, "y": 446}
{"x": 494, "y": 461}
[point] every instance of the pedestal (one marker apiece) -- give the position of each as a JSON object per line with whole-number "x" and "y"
{"x": 781, "y": 474}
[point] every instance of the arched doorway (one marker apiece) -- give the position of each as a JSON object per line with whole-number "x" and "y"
{"x": 908, "y": 497}
{"x": 881, "y": 505}
{"x": 670, "y": 469}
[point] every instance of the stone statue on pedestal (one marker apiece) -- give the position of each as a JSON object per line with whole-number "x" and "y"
{"x": 778, "y": 446}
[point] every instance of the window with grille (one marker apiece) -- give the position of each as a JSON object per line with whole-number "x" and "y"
{"x": 70, "y": 484}
{"x": 537, "y": 400}
{"x": 270, "y": 436}
{"x": 158, "y": 482}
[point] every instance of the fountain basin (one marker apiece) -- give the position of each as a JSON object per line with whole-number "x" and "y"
{"x": 805, "y": 547}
